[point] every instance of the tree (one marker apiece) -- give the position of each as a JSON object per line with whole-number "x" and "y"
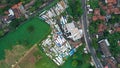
{"x": 74, "y": 63}
{"x": 1, "y": 33}
{"x": 75, "y": 8}
{"x": 31, "y": 29}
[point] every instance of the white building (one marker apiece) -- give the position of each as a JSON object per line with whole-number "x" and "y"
{"x": 75, "y": 32}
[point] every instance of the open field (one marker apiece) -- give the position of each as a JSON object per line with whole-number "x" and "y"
{"x": 27, "y": 34}
{"x": 35, "y": 58}
{"x": 45, "y": 61}
{"x": 11, "y": 56}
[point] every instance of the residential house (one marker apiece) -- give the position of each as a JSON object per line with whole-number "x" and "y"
{"x": 97, "y": 15}
{"x": 101, "y": 28}
{"x": 111, "y": 1}
{"x": 110, "y": 63}
{"x": 18, "y": 10}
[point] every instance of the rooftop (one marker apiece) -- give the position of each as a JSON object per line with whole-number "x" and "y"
{"x": 104, "y": 47}
{"x": 110, "y": 63}
{"x": 101, "y": 28}
{"x": 75, "y": 32}
{"x": 111, "y": 1}
{"x": 16, "y": 9}
{"x": 97, "y": 15}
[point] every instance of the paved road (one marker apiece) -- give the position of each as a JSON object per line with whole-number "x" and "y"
{"x": 87, "y": 37}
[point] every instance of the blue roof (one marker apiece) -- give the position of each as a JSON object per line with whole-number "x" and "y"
{"x": 58, "y": 44}
{"x": 72, "y": 51}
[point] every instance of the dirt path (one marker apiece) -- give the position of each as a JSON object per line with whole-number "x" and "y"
{"x": 25, "y": 55}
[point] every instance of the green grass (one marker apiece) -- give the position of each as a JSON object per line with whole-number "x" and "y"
{"x": 80, "y": 57}
{"x": 25, "y": 35}
{"x": 45, "y": 61}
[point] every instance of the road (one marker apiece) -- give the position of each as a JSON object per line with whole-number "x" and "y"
{"x": 87, "y": 37}
{"x": 40, "y": 9}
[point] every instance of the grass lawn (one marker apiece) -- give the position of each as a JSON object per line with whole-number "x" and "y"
{"x": 82, "y": 63}
{"x": 29, "y": 33}
{"x": 45, "y": 61}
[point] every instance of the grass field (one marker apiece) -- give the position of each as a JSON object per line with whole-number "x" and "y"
{"x": 45, "y": 61}
{"x": 29, "y": 33}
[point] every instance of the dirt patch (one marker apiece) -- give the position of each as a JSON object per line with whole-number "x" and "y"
{"x": 12, "y": 56}
{"x": 31, "y": 58}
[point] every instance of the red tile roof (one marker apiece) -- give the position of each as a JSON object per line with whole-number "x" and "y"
{"x": 117, "y": 29}
{"x": 102, "y": 18}
{"x": 101, "y": 28}
{"x": 116, "y": 11}
{"x": 112, "y": 1}
{"x": 95, "y": 18}
{"x": 16, "y": 9}
{"x": 97, "y": 11}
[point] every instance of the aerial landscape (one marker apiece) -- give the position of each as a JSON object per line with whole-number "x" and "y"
{"x": 59, "y": 33}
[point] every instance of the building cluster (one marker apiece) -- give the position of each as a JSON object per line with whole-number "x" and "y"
{"x": 109, "y": 9}
{"x": 16, "y": 11}
{"x": 97, "y": 15}
{"x": 109, "y": 60}
{"x": 57, "y": 46}
{"x": 53, "y": 12}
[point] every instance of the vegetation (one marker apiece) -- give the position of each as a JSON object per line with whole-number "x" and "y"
{"x": 22, "y": 35}
{"x": 112, "y": 38}
{"x": 114, "y": 47}
{"x": 45, "y": 61}
{"x": 1, "y": 33}
{"x": 115, "y": 19}
{"x": 16, "y": 22}
{"x": 94, "y": 4}
{"x": 93, "y": 28}
{"x": 75, "y": 8}
{"x": 78, "y": 60}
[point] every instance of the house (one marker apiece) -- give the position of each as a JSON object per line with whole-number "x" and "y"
{"x": 18, "y": 10}
{"x": 117, "y": 29}
{"x": 97, "y": 15}
{"x": 97, "y": 12}
{"x": 111, "y": 1}
{"x": 104, "y": 47}
{"x": 116, "y": 11}
{"x": 110, "y": 62}
{"x": 101, "y": 28}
